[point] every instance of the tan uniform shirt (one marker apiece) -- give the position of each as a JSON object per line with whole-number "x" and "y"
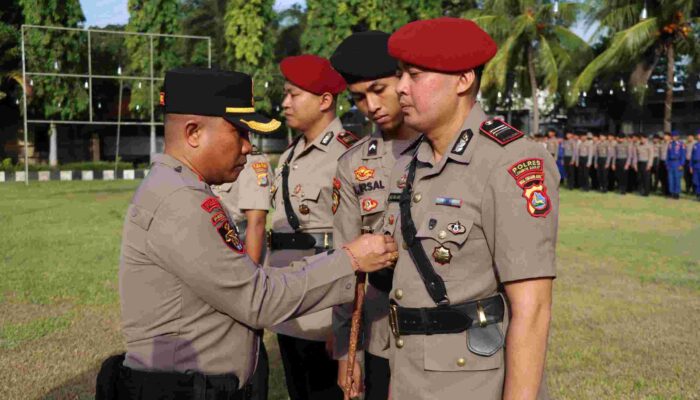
{"x": 553, "y": 147}
{"x": 663, "y": 151}
{"x": 363, "y": 185}
{"x": 645, "y": 153}
{"x": 584, "y": 153}
{"x": 310, "y": 189}
{"x": 191, "y": 298}
{"x": 251, "y": 191}
{"x": 603, "y": 153}
{"x": 509, "y": 234}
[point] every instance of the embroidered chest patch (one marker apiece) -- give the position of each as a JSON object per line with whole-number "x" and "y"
{"x": 220, "y": 222}
{"x": 363, "y": 173}
{"x": 529, "y": 176}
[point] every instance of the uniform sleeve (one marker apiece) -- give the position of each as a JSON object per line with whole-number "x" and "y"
{"x": 193, "y": 244}
{"x": 522, "y": 232}
{"x": 347, "y": 223}
{"x": 254, "y": 185}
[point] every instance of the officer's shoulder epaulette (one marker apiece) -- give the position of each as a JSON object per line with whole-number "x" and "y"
{"x": 347, "y": 138}
{"x": 499, "y": 131}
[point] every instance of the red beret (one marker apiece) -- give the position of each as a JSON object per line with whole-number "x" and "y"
{"x": 442, "y": 44}
{"x": 313, "y": 74}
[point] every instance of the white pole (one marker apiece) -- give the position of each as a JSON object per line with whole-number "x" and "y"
{"x": 119, "y": 120}
{"x": 53, "y": 145}
{"x": 153, "y": 126}
{"x": 24, "y": 106}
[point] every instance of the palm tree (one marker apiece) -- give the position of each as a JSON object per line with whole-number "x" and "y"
{"x": 643, "y": 34}
{"x": 537, "y": 49}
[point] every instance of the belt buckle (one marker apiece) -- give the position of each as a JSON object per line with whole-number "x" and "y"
{"x": 482, "y": 315}
{"x": 394, "y": 324}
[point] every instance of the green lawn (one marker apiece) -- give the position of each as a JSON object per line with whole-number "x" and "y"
{"x": 625, "y": 315}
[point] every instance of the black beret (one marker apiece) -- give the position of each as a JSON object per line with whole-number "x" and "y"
{"x": 216, "y": 93}
{"x": 364, "y": 56}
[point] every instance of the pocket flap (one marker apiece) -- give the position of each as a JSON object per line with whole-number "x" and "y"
{"x": 140, "y": 216}
{"x": 450, "y": 353}
{"x": 306, "y": 192}
{"x": 443, "y": 227}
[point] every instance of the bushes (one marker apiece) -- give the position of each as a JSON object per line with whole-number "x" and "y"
{"x": 8, "y": 166}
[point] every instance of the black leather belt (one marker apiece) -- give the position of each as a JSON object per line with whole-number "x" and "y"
{"x": 299, "y": 240}
{"x": 445, "y": 319}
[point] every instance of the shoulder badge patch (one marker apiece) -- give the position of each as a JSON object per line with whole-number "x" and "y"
{"x": 227, "y": 231}
{"x": 461, "y": 144}
{"x": 327, "y": 138}
{"x": 500, "y": 132}
{"x": 529, "y": 176}
{"x": 260, "y": 169}
{"x": 363, "y": 173}
{"x": 372, "y": 148}
{"x": 336, "y": 195}
{"x": 347, "y": 138}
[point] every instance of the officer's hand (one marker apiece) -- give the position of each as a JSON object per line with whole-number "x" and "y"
{"x": 372, "y": 252}
{"x": 357, "y": 383}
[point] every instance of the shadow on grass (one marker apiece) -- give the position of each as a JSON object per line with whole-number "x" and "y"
{"x": 80, "y": 387}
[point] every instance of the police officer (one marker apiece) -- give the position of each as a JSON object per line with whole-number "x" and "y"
{"x": 192, "y": 300}
{"x": 675, "y": 161}
{"x": 360, "y": 192}
{"x": 302, "y": 220}
{"x": 645, "y": 162}
{"x": 475, "y": 207}
{"x": 623, "y": 159}
{"x": 695, "y": 165}
{"x": 584, "y": 160}
{"x": 569, "y": 164}
{"x": 687, "y": 174}
{"x": 603, "y": 159}
{"x": 552, "y": 143}
{"x": 656, "y": 142}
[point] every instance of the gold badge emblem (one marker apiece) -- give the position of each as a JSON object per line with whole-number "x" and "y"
{"x": 304, "y": 209}
{"x": 442, "y": 255}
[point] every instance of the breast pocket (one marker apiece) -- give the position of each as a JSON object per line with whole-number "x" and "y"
{"x": 443, "y": 235}
{"x": 372, "y": 208}
{"x": 310, "y": 209}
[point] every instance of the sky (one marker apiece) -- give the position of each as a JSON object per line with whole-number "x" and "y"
{"x": 99, "y": 13}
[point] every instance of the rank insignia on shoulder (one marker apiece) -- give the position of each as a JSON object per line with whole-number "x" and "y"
{"x": 363, "y": 173}
{"x": 372, "y": 148}
{"x": 327, "y": 138}
{"x": 463, "y": 141}
{"x": 347, "y": 138}
{"x": 500, "y": 132}
{"x": 369, "y": 204}
{"x": 529, "y": 176}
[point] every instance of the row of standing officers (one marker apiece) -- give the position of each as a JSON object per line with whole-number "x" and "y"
{"x": 625, "y": 162}
{"x": 464, "y": 209}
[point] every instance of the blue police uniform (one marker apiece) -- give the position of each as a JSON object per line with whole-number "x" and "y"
{"x": 695, "y": 165}
{"x": 675, "y": 160}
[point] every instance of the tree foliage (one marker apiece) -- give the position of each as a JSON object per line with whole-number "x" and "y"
{"x": 10, "y": 51}
{"x": 56, "y": 51}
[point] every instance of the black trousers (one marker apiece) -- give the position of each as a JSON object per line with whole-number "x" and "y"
{"x": 309, "y": 372}
{"x": 688, "y": 178}
{"x": 621, "y": 175}
{"x": 663, "y": 177}
{"x": 655, "y": 175}
{"x": 377, "y": 377}
{"x": 259, "y": 381}
{"x": 570, "y": 172}
{"x": 584, "y": 181}
{"x": 644, "y": 178}
{"x": 602, "y": 173}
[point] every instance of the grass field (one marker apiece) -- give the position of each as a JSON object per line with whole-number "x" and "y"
{"x": 626, "y": 308}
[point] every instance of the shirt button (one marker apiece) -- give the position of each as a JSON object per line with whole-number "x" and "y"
{"x": 417, "y": 197}
{"x": 461, "y": 362}
{"x": 442, "y": 234}
{"x": 398, "y": 293}
{"x": 295, "y": 166}
{"x": 348, "y": 286}
{"x": 399, "y": 343}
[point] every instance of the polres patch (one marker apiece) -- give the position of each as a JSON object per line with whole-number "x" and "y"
{"x": 529, "y": 176}
{"x": 500, "y": 132}
{"x": 363, "y": 173}
{"x": 227, "y": 231}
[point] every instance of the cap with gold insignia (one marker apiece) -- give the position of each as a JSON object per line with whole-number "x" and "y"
{"x": 216, "y": 93}
{"x": 313, "y": 74}
{"x": 442, "y": 44}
